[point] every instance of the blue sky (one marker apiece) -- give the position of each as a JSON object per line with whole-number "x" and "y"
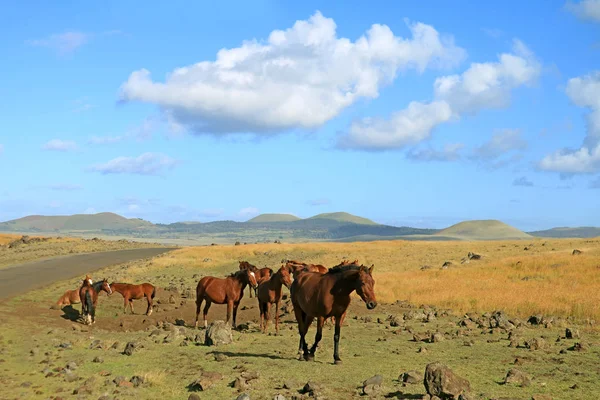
{"x": 420, "y": 115}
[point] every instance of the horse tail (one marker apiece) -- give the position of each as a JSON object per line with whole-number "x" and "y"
{"x": 153, "y": 292}
{"x": 89, "y": 304}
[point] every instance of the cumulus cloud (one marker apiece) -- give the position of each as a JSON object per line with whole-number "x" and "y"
{"x": 450, "y": 152}
{"x": 588, "y": 10}
{"x": 301, "y": 77}
{"x": 318, "y": 202}
{"x": 584, "y": 92}
{"x": 62, "y": 43}
{"x": 522, "y": 181}
{"x": 145, "y": 164}
{"x": 60, "y": 145}
{"x": 481, "y": 86}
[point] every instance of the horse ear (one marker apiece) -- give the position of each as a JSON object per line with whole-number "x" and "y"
{"x": 371, "y": 269}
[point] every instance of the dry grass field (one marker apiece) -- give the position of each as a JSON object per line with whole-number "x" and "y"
{"x": 522, "y": 278}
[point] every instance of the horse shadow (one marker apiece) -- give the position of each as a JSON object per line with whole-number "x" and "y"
{"x": 399, "y": 395}
{"x": 243, "y": 354}
{"x": 70, "y": 313}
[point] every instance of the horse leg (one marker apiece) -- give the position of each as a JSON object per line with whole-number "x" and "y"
{"x": 277, "y": 317}
{"x": 229, "y": 308}
{"x": 307, "y": 321}
{"x": 250, "y": 290}
{"x": 131, "y": 306}
{"x": 149, "y": 310}
{"x": 198, "y": 305}
{"x": 267, "y": 315}
{"x": 205, "y": 313}
{"x": 300, "y": 319}
{"x": 261, "y": 309}
{"x": 318, "y": 337}
{"x": 125, "y": 304}
{"x": 235, "y": 308}
{"x": 336, "y": 340}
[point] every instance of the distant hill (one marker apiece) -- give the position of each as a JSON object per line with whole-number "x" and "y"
{"x": 483, "y": 230}
{"x": 344, "y": 217}
{"x": 78, "y": 222}
{"x": 564, "y": 232}
{"x": 274, "y": 218}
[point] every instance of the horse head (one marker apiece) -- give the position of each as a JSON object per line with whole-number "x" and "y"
{"x": 106, "y": 287}
{"x": 365, "y": 286}
{"x": 286, "y": 276}
{"x": 87, "y": 280}
{"x": 251, "y": 278}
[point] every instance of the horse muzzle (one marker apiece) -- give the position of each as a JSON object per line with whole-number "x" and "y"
{"x": 371, "y": 305}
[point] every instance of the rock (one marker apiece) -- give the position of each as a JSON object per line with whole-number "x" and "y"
{"x": 572, "y": 333}
{"x": 541, "y": 397}
{"x": 535, "y": 319}
{"x": 370, "y": 390}
{"x": 279, "y": 396}
{"x": 310, "y": 387}
{"x": 446, "y": 264}
{"x": 473, "y": 256}
{"x": 240, "y": 384}
{"x": 426, "y": 267}
{"x": 436, "y": 337}
{"x": 440, "y": 381}
{"x": 98, "y": 359}
{"x": 500, "y": 320}
{"x": 376, "y": 380}
{"x": 536, "y": 344}
{"x": 206, "y": 380}
{"x": 576, "y": 252}
{"x": 289, "y": 385}
{"x": 410, "y": 377}
{"x": 96, "y": 344}
{"x": 420, "y": 337}
{"x": 516, "y": 377}
{"x": 71, "y": 365}
{"x": 243, "y": 396}
{"x": 395, "y": 321}
{"x": 71, "y": 377}
{"x": 137, "y": 380}
{"x": 580, "y": 346}
{"x": 171, "y": 299}
{"x": 219, "y": 357}
{"x": 130, "y": 347}
{"x": 250, "y": 375}
{"x": 193, "y": 396}
{"x": 218, "y": 333}
{"x": 119, "y": 379}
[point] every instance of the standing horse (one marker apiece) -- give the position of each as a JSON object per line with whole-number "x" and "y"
{"x": 135, "y": 292}
{"x": 260, "y": 274}
{"x": 89, "y": 297}
{"x": 269, "y": 292}
{"x": 228, "y": 291}
{"x": 327, "y": 295}
{"x": 71, "y": 297}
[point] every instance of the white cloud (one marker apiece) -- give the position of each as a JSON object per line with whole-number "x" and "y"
{"x": 502, "y": 141}
{"x": 481, "y": 86}
{"x": 522, "y": 181}
{"x": 585, "y": 9}
{"x": 145, "y": 164}
{"x": 62, "y": 43}
{"x": 299, "y": 78}
{"x": 584, "y": 92}
{"x": 105, "y": 139}
{"x": 60, "y": 145}
{"x": 450, "y": 152}
{"x": 248, "y": 212}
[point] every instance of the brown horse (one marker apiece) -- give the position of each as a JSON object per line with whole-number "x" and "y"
{"x": 260, "y": 274}
{"x": 228, "y": 291}
{"x": 88, "y": 293}
{"x": 269, "y": 292}
{"x": 135, "y": 292}
{"x": 71, "y": 297}
{"x": 298, "y": 267}
{"x": 327, "y": 295}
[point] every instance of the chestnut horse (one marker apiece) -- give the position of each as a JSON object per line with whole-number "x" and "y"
{"x": 269, "y": 292}
{"x": 89, "y": 297}
{"x": 260, "y": 274}
{"x": 327, "y": 295}
{"x": 71, "y": 297}
{"x": 228, "y": 290}
{"x": 135, "y": 292}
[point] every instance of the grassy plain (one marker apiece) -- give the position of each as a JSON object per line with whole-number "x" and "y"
{"x": 546, "y": 278}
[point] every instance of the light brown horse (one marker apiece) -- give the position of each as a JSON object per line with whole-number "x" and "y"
{"x": 132, "y": 292}
{"x": 298, "y": 267}
{"x": 327, "y": 295}
{"x": 260, "y": 273}
{"x": 71, "y": 297}
{"x": 228, "y": 291}
{"x": 269, "y": 292}
{"x": 88, "y": 293}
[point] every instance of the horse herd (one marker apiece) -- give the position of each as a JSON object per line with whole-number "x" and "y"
{"x": 315, "y": 292}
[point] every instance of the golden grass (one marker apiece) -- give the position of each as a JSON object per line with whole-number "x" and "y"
{"x": 545, "y": 278}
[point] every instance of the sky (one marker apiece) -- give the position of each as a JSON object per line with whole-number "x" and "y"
{"x": 409, "y": 113}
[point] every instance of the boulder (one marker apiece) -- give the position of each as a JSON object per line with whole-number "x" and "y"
{"x": 218, "y": 333}
{"x": 440, "y": 381}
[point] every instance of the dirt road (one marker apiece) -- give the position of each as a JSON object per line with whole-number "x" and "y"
{"x": 24, "y": 277}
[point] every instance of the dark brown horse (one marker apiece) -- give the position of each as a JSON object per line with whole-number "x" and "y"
{"x": 88, "y": 293}
{"x": 135, "y": 292}
{"x": 269, "y": 292}
{"x": 260, "y": 273}
{"x": 228, "y": 291}
{"x": 327, "y": 295}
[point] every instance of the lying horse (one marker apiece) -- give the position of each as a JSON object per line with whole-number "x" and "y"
{"x": 228, "y": 291}
{"x": 269, "y": 292}
{"x": 260, "y": 274}
{"x": 327, "y": 295}
{"x": 88, "y": 293}
{"x": 71, "y": 297}
{"x": 135, "y": 292}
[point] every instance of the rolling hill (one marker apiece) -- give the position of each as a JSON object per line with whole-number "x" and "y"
{"x": 262, "y": 218}
{"x": 564, "y": 232}
{"x": 489, "y": 229}
{"x": 77, "y": 222}
{"x": 344, "y": 217}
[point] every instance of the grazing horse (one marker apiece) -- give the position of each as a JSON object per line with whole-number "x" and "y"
{"x": 228, "y": 291}
{"x": 260, "y": 274}
{"x": 135, "y": 292}
{"x": 327, "y": 295}
{"x": 71, "y": 297}
{"x": 88, "y": 293}
{"x": 269, "y": 292}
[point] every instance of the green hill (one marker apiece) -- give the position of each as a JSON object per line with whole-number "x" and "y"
{"x": 262, "y": 218}
{"x": 563, "y": 232}
{"x": 77, "y": 222}
{"x": 489, "y": 229}
{"x": 344, "y": 217}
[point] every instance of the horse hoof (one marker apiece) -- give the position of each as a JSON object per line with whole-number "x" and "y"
{"x": 337, "y": 362}
{"x": 309, "y": 357}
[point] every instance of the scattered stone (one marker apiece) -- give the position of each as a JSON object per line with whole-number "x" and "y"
{"x": 243, "y": 396}
{"x": 171, "y": 299}
{"x": 395, "y": 321}
{"x": 310, "y": 387}
{"x": 130, "y": 347}
{"x": 206, "y": 380}
{"x": 71, "y": 376}
{"x": 98, "y": 359}
{"x": 426, "y": 267}
{"x": 193, "y": 396}
{"x": 376, "y": 380}
{"x": 473, "y": 256}
{"x": 71, "y": 365}
{"x": 137, "y": 380}
{"x": 535, "y": 319}
{"x": 442, "y": 382}
{"x": 500, "y": 320}
{"x": 536, "y": 344}
{"x": 580, "y": 346}
{"x": 576, "y": 252}
{"x": 96, "y": 344}
{"x": 218, "y": 333}
{"x": 289, "y": 385}
{"x": 517, "y": 377}
{"x": 436, "y": 337}
{"x": 220, "y": 357}
{"x": 541, "y": 397}
{"x": 240, "y": 384}
{"x": 119, "y": 379}
{"x": 418, "y": 337}
{"x": 410, "y": 377}
{"x": 279, "y": 396}
{"x": 572, "y": 333}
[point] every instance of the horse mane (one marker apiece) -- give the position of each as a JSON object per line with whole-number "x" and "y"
{"x": 343, "y": 268}
{"x": 97, "y": 286}
{"x": 236, "y": 273}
